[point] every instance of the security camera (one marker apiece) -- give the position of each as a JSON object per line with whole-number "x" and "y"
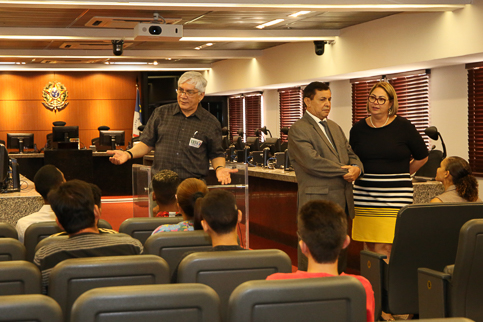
{"x": 117, "y": 47}
{"x": 319, "y": 47}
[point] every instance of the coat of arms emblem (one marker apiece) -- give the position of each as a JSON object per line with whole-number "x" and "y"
{"x": 55, "y": 96}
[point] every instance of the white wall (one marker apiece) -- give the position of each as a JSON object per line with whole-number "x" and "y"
{"x": 271, "y": 112}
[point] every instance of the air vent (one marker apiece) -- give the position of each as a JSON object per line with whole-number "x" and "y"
{"x": 123, "y": 23}
{"x": 101, "y": 44}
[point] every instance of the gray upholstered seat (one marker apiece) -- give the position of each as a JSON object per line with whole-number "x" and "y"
{"x": 447, "y": 320}
{"x": 38, "y": 231}
{"x": 337, "y": 298}
{"x": 7, "y": 230}
{"x": 72, "y": 277}
{"x": 19, "y": 277}
{"x": 141, "y": 228}
{"x": 30, "y": 307}
{"x": 460, "y": 292}
{"x": 173, "y": 245}
{"x": 224, "y": 271}
{"x": 148, "y": 303}
{"x": 426, "y": 236}
{"x": 11, "y": 249}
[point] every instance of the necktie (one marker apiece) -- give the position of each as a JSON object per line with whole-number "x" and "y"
{"x": 328, "y": 134}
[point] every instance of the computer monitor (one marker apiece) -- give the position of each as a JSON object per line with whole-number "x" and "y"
{"x": 254, "y": 143}
{"x": 20, "y": 141}
{"x": 238, "y": 142}
{"x": 3, "y": 167}
{"x": 111, "y": 138}
{"x": 64, "y": 133}
{"x": 273, "y": 144}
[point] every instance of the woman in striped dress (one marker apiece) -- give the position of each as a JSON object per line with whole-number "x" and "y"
{"x": 385, "y": 143}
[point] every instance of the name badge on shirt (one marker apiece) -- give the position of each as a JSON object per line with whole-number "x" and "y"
{"x": 195, "y": 143}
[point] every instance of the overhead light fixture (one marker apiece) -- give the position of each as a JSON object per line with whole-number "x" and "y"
{"x": 209, "y": 44}
{"x": 128, "y": 63}
{"x": 7, "y": 63}
{"x": 270, "y": 23}
{"x": 155, "y": 63}
{"x": 198, "y": 48}
{"x": 300, "y": 13}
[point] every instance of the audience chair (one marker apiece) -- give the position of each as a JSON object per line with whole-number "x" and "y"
{"x": 457, "y": 292}
{"x": 38, "y": 231}
{"x": 72, "y": 277}
{"x": 446, "y": 320}
{"x": 180, "y": 303}
{"x": 173, "y": 245}
{"x": 7, "y": 230}
{"x": 337, "y": 298}
{"x": 426, "y": 235}
{"x": 19, "y": 277}
{"x": 224, "y": 271}
{"x": 11, "y": 250}
{"x": 31, "y": 307}
{"x": 141, "y": 228}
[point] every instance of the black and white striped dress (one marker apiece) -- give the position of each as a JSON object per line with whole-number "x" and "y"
{"x": 377, "y": 200}
{"x": 386, "y": 185}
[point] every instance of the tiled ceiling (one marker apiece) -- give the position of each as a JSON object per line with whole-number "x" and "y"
{"x": 30, "y": 18}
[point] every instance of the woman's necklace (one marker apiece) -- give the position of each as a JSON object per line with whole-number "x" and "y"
{"x": 370, "y": 119}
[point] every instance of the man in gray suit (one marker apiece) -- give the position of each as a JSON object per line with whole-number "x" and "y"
{"x": 324, "y": 163}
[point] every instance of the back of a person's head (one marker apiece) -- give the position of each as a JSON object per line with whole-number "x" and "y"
{"x": 47, "y": 178}
{"x": 463, "y": 179}
{"x": 73, "y": 205}
{"x": 218, "y": 208}
{"x": 322, "y": 225}
{"x": 188, "y": 192}
{"x": 97, "y": 194}
{"x": 165, "y": 183}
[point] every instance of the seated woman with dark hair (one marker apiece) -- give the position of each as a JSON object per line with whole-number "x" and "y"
{"x": 459, "y": 184}
{"x": 187, "y": 193}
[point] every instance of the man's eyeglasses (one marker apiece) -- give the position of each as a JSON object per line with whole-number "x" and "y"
{"x": 190, "y": 93}
{"x": 380, "y": 100}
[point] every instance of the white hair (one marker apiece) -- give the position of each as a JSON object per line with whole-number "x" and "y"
{"x": 194, "y": 78}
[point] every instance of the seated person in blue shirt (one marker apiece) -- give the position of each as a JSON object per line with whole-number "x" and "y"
{"x": 188, "y": 192}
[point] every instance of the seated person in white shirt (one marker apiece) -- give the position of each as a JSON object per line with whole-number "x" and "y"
{"x": 46, "y": 179}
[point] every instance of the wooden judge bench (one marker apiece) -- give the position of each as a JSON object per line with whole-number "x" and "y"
{"x": 87, "y": 165}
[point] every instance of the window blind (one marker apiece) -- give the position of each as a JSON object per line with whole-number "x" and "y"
{"x": 291, "y": 107}
{"x": 475, "y": 117}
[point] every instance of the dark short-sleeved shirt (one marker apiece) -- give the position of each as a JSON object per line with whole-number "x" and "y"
{"x": 387, "y": 149}
{"x": 169, "y": 131}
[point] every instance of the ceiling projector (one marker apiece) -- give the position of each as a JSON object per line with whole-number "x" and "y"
{"x": 157, "y": 32}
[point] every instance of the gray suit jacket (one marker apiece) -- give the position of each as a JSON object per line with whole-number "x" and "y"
{"x": 318, "y": 166}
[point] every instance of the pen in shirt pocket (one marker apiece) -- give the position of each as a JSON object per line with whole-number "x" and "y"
{"x": 195, "y": 133}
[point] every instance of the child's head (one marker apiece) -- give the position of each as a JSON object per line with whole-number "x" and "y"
{"x": 219, "y": 210}
{"x": 322, "y": 226}
{"x": 165, "y": 183}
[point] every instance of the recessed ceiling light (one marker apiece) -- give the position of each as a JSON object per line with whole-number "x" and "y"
{"x": 270, "y": 23}
{"x": 300, "y": 13}
{"x": 209, "y": 44}
{"x": 155, "y": 63}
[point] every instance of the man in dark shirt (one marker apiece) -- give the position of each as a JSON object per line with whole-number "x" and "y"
{"x": 219, "y": 218}
{"x": 184, "y": 134}
{"x": 76, "y": 213}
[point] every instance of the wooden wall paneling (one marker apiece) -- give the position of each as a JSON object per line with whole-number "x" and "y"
{"x": 94, "y": 99}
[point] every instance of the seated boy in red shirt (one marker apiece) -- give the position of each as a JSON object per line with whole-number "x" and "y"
{"x": 322, "y": 229}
